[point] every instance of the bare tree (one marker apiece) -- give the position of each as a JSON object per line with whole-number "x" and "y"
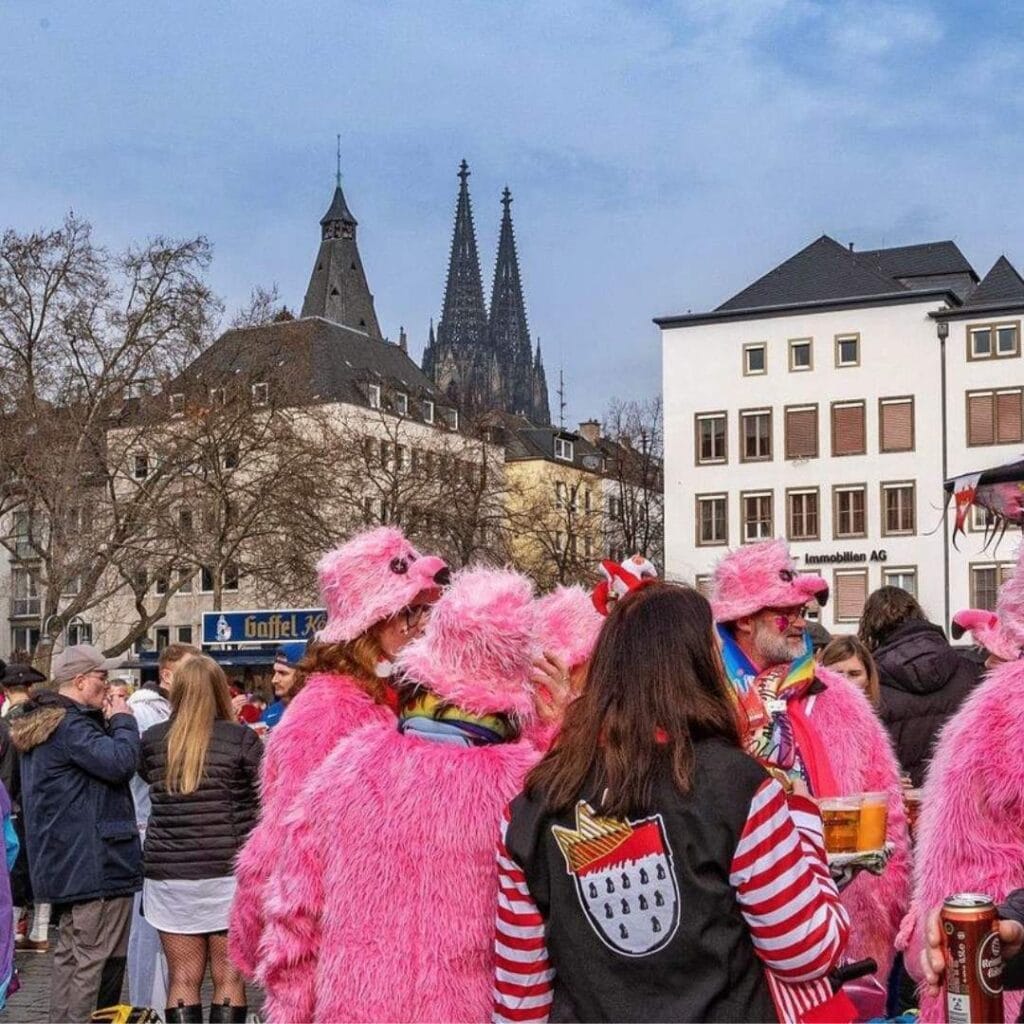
{"x": 264, "y": 306}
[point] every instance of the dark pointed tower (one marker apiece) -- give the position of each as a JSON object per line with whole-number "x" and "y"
{"x": 509, "y": 331}
{"x": 456, "y": 358}
{"x": 541, "y": 408}
{"x": 337, "y": 287}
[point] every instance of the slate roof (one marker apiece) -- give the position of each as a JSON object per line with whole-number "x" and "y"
{"x": 338, "y": 210}
{"x": 928, "y": 260}
{"x": 1002, "y": 284}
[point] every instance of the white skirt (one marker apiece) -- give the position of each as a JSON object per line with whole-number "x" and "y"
{"x": 188, "y": 906}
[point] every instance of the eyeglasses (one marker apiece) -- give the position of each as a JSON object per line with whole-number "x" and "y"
{"x": 794, "y": 613}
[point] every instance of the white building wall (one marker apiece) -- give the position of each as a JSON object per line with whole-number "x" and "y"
{"x": 899, "y": 356}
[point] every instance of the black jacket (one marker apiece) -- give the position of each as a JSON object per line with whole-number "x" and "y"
{"x": 83, "y": 843}
{"x": 198, "y": 835}
{"x": 924, "y": 681}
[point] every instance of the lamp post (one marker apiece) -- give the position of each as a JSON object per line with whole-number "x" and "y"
{"x": 942, "y": 331}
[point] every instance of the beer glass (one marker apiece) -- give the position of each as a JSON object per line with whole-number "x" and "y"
{"x": 874, "y": 814}
{"x": 841, "y": 818}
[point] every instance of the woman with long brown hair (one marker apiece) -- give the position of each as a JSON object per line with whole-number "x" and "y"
{"x": 648, "y": 870}
{"x": 203, "y": 773}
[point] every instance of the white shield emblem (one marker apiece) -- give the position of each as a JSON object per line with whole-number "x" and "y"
{"x": 624, "y": 879}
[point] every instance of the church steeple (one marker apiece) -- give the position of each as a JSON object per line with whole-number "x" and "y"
{"x": 337, "y": 287}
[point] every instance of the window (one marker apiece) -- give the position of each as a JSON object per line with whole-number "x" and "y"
{"x": 986, "y": 579}
{"x": 615, "y": 508}
{"x": 185, "y": 581}
{"x": 373, "y": 395}
{"x": 756, "y": 435}
{"x": 851, "y": 591}
{"x": 993, "y": 341}
{"x": 757, "y": 516}
{"x": 230, "y": 578}
{"x": 994, "y": 417}
{"x": 801, "y": 431}
{"x": 24, "y": 638}
{"x": 177, "y": 404}
{"x": 755, "y": 359}
{"x": 184, "y": 634}
{"x": 702, "y": 584}
{"x": 140, "y": 581}
{"x": 206, "y": 580}
{"x": 21, "y": 531}
{"x": 564, "y": 449}
{"x": 847, "y": 350}
{"x": 140, "y": 467}
{"x": 802, "y": 515}
{"x": 904, "y": 577}
{"x": 25, "y": 593}
{"x": 79, "y": 633}
{"x": 428, "y": 411}
{"x": 848, "y": 428}
{"x": 898, "y": 509}
{"x": 401, "y": 403}
{"x": 848, "y": 511}
{"x": 453, "y": 419}
{"x": 261, "y": 394}
{"x": 980, "y": 519}
{"x": 185, "y": 520}
{"x": 163, "y": 638}
{"x": 561, "y": 494}
{"x": 400, "y": 452}
{"x": 896, "y": 424}
{"x": 710, "y": 437}
{"x": 801, "y": 355}
{"x": 712, "y": 520}
{"x": 161, "y": 584}
{"x": 587, "y": 499}
{"x": 72, "y": 586}
{"x": 588, "y": 546}
{"x": 231, "y": 456}
{"x": 218, "y": 396}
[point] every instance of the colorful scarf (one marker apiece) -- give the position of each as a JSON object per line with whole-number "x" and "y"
{"x": 426, "y": 715}
{"x": 763, "y": 700}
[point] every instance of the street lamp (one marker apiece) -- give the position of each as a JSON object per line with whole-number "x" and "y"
{"x": 942, "y": 331}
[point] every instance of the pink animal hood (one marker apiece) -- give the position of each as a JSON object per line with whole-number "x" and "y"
{"x": 759, "y": 576}
{"x": 568, "y": 624}
{"x": 372, "y": 577}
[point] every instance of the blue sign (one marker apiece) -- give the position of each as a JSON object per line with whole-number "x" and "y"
{"x": 278, "y": 626}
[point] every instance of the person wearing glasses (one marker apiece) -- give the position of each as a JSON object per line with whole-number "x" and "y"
{"x": 806, "y": 724}
{"x": 79, "y": 750}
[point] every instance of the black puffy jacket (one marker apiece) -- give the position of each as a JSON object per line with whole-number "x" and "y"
{"x": 924, "y": 681}
{"x": 197, "y": 835}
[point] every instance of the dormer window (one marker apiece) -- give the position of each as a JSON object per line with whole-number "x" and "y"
{"x": 453, "y": 419}
{"x": 140, "y": 467}
{"x": 218, "y": 396}
{"x": 428, "y": 411}
{"x": 177, "y": 404}
{"x": 401, "y": 403}
{"x": 373, "y": 394}
{"x": 261, "y": 394}
{"x": 564, "y": 450}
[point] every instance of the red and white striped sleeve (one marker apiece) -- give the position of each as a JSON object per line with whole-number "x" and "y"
{"x": 798, "y": 926}
{"x": 522, "y": 974}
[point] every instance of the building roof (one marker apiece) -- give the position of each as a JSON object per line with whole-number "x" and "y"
{"x": 1002, "y": 284}
{"x": 338, "y": 210}
{"x": 826, "y": 274}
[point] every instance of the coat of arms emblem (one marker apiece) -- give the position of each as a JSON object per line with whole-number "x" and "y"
{"x": 624, "y": 879}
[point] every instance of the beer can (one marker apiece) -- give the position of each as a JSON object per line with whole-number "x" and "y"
{"x": 974, "y": 962}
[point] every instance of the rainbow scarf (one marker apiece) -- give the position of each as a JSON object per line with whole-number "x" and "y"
{"x": 428, "y": 716}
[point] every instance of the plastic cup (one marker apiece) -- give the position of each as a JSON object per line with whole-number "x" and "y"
{"x": 874, "y": 816}
{"x": 912, "y": 807}
{"x": 840, "y": 816}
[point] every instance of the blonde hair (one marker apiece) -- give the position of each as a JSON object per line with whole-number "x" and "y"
{"x": 199, "y": 696}
{"x": 842, "y": 647}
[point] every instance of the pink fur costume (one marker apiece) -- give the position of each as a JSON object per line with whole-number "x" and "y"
{"x": 367, "y": 579}
{"x": 385, "y": 909}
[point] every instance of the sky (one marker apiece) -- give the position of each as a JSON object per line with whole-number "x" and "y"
{"x": 661, "y": 154}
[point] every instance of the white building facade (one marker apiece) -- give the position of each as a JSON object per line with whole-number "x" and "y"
{"x": 821, "y": 405}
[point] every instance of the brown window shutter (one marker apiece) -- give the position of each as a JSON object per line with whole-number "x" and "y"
{"x": 981, "y": 418}
{"x": 897, "y": 426}
{"x": 1008, "y": 416}
{"x": 801, "y": 433}
{"x": 848, "y": 430}
{"x": 851, "y": 593}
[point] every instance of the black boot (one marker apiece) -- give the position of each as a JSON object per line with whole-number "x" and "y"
{"x": 182, "y": 1014}
{"x": 225, "y": 1013}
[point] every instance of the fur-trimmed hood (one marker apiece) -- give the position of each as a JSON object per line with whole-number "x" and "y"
{"x": 39, "y": 721}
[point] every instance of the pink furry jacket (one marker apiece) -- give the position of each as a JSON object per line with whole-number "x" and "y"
{"x": 328, "y": 708}
{"x": 390, "y": 917}
{"x": 970, "y": 835}
{"x": 862, "y": 760}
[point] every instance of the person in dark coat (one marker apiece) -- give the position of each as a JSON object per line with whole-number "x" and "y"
{"x": 923, "y": 679}
{"x": 79, "y": 749}
{"x": 202, "y": 768}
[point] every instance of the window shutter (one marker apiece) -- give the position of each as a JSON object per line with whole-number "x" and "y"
{"x": 802, "y": 433}
{"x": 980, "y": 418}
{"x": 851, "y": 593}
{"x": 1008, "y": 416}
{"x": 848, "y": 429}
{"x": 897, "y": 427}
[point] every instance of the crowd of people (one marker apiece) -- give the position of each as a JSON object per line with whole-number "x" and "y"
{"x": 468, "y": 802}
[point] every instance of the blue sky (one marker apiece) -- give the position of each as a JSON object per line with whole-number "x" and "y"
{"x": 661, "y": 154}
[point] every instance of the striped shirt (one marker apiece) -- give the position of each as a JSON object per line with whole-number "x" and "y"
{"x": 780, "y": 875}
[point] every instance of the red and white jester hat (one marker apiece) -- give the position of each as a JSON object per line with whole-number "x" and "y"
{"x": 619, "y": 580}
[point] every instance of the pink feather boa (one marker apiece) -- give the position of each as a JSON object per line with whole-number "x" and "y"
{"x": 971, "y": 829}
{"x": 329, "y": 707}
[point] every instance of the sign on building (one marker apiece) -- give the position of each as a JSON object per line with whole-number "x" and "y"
{"x": 264, "y": 626}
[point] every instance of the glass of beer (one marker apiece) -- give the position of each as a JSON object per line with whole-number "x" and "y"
{"x": 912, "y": 806}
{"x": 874, "y": 815}
{"x": 841, "y": 817}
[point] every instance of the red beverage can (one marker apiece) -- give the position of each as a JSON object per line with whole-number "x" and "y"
{"x": 974, "y": 961}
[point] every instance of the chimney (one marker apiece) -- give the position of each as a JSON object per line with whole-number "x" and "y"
{"x": 403, "y": 343}
{"x": 590, "y": 430}
{"x": 850, "y": 244}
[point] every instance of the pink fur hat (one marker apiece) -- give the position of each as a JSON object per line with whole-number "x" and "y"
{"x": 478, "y": 647}
{"x": 758, "y": 576}
{"x": 568, "y": 624}
{"x": 372, "y": 577}
{"x": 1000, "y": 632}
